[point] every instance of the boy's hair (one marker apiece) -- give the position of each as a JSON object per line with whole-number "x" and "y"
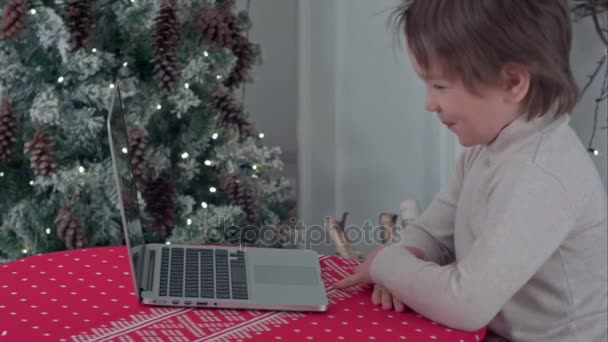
{"x": 472, "y": 40}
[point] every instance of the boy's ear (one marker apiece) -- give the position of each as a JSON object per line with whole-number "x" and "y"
{"x": 516, "y": 78}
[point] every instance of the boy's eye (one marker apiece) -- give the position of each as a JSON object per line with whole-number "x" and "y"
{"x": 438, "y": 87}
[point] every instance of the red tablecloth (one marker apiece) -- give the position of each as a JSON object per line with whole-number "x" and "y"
{"x": 87, "y": 295}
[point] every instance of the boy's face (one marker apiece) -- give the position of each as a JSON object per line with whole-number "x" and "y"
{"x": 475, "y": 119}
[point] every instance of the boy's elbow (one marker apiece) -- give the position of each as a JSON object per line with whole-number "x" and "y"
{"x": 474, "y": 315}
{"x": 459, "y": 318}
{"x": 470, "y": 324}
{"x": 461, "y": 315}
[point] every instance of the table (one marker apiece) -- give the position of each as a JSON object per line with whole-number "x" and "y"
{"x": 87, "y": 295}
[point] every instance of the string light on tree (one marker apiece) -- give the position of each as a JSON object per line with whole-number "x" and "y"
{"x": 212, "y": 189}
{"x": 33, "y": 11}
{"x": 48, "y": 231}
{"x": 219, "y": 77}
{"x": 208, "y": 162}
{"x": 81, "y": 169}
{"x": 159, "y": 107}
{"x": 31, "y": 182}
{"x": 189, "y": 222}
{"x": 185, "y": 155}
{"x": 94, "y": 50}
{"x": 1, "y": 174}
{"x": 254, "y": 167}
{"x": 205, "y": 53}
{"x": 112, "y": 86}
{"x": 204, "y": 205}
{"x": 214, "y": 136}
{"x": 60, "y": 79}
{"x": 24, "y": 251}
{"x": 125, "y": 64}
{"x": 187, "y": 85}
{"x": 168, "y": 242}
{"x": 261, "y": 135}
{"x": 124, "y": 150}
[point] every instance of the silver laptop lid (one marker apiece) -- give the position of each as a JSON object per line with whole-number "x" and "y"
{"x": 127, "y": 195}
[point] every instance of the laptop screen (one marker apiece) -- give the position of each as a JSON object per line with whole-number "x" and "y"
{"x": 127, "y": 194}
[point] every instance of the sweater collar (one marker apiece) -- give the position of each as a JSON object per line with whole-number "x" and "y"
{"x": 520, "y": 129}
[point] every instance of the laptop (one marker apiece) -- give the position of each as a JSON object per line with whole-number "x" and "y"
{"x": 208, "y": 276}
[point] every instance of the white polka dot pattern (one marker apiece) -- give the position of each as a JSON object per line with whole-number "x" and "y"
{"x": 87, "y": 295}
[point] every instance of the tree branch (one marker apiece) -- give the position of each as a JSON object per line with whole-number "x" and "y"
{"x": 598, "y": 100}
{"x": 592, "y": 76}
{"x": 594, "y": 13}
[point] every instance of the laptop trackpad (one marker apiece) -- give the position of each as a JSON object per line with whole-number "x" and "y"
{"x": 285, "y": 275}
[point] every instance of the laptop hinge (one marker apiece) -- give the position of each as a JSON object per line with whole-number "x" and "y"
{"x": 149, "y": 269}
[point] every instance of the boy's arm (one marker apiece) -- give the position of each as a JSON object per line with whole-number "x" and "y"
{"x": 433, "y": 231}
{"x": 432, "y": 234}
{"x": 529, "y": 216}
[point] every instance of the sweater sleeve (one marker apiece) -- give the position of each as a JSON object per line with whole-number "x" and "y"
{"x": 433, "y": 230}
{"x": 528, "y": 217}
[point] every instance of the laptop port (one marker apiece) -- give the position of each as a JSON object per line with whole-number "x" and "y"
{"x": 201, "y": 303}
{"x": 188, "y": 303}
{"x": 175, "y": 302}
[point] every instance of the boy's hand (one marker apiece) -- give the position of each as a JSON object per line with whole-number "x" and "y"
{"x": 381, "y": 296}
{"x": 363, "y": 273}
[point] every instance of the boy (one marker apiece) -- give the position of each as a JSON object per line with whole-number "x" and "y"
{"x": 517, "y": 240}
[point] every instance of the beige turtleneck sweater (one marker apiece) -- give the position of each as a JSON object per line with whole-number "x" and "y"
{"x": 516, "y": 241}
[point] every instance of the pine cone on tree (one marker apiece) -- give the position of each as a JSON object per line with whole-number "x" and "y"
{"x": 166, "y": 38}
{"x": 80, "y": 23}
{"x": 40, "y": 149}
{"x": 220, "y": 26}
{"x": 243, "y": 50}
{"x": 161, "y": 203}
{"x": 241, "y": 196}
{"x": 138, "y": 144}
{"x": 13, "y": 18}
{"x": 231, "y": 113}
{"x": 8, "y": 122}
{"x": 69, "y": 228}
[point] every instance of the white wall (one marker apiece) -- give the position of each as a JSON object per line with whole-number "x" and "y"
{"x": 586, "y": 52}
{"x": 272, "y": 99}
{"x": 365, "y": 141}
{"x": 316, "y": 111}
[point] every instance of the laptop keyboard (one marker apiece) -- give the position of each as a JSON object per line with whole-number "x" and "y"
{"x": 203, "y": 273}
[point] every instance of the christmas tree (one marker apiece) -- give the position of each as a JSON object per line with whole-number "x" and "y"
{"x": 202, "y": 171}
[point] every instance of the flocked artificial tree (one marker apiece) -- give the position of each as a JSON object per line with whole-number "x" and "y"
{"x": 200, "y": 164}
